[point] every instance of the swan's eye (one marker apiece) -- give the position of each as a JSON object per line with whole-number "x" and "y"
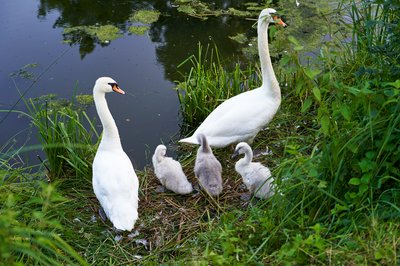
{"x": 113, "y": 84}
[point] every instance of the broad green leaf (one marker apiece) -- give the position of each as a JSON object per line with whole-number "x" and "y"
{"x": 306, "y": 105}
{"x": 297, "y": 45}
{"x": 311, "y": 73}
{"x": 355, "y": 181}
{"x": 325, "y": 124}
{"x": 362, "y": 189}
{"x": 366, "y": 178}
{"x": 365, "y": 165}
{"x": 322, "y": 184}
{"x": 378, "y": 254}
{"x": 293, "y": 40}
{"x": 395, "y": 84}
{"x": 346, "y": 112}
{"x": 317, "y": 93}
{"x": 298, "y": 48}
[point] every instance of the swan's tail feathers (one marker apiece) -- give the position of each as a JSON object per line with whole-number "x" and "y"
{"x": 124, "y": 221}
{"x": 186, "y": 188}
{"x": 191, "y": 140}
{"x": 214, "y": 190}
{"x": 201, "y": 138}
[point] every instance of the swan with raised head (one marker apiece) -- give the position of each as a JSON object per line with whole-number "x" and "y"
{"x": 255, "y": 176}
{"x": 241, "y": 117}
{"x": 207, "y": 168}
{"x": 114, "y": 180}
{"x": 169, "y": 172}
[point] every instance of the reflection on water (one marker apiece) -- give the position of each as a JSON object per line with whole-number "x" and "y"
{"x": 145, "y": 66}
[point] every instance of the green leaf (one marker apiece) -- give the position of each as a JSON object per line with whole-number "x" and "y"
{"x": 313, "y": 172}
{"x": 379, "y": 254}
{"x": 293, "y": 40}
{"x": 306, "y": 105}
{"x": 355, "y": 181}
{"x": 325, "y": 124}
{"x": 365, "y": 165}
{"x": 317, "y": 93}
{"x": 346, "y": 112}
{"x": 323, "y": 184}
{"x": 362, "y": 189}
{"x": 366, "y": 178}
{"x": 311, "y": 73}
{"x": 297, "y": 45}
{"x": 395, "y": 84}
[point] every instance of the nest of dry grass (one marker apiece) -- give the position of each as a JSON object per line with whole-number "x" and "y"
{"x": 167, "y": 218}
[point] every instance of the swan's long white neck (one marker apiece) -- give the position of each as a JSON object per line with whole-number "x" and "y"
{"x": 248, "y": 156}
{"x": 110, "y": 136}
{"x": 269, "y": 81}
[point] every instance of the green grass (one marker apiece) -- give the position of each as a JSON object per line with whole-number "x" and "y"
{"x": 208, "y": 84}
{"x": 334, "y": 154}
{"x": 67, "y": 135}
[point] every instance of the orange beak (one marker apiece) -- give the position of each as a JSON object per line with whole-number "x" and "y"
{"x": 279, "y": 21}
{"x": 117, "y": 89}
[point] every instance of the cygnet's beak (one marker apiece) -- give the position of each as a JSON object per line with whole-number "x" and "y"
{"x": 117, "y": 89}
{"x": 236, "y": 153}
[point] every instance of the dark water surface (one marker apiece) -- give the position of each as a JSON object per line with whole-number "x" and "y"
{"x": 144, "y": 66}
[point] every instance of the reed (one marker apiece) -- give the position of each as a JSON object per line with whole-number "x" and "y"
{"x": 67, "y": 135}
{"x": 207, "y": 84}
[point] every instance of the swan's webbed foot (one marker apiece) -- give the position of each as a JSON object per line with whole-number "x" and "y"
{"x": 102, "y": 214}
{"x": 160, "y": 189}
{"x": 245, "y": 196}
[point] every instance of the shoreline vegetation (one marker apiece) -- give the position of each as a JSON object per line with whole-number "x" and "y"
{"x": 333, "y": 148}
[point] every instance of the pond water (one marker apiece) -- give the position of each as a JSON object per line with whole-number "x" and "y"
{"x": 145, "y": 66}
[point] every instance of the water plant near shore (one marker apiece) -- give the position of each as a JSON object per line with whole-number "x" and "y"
{"x": 208, "y": 83}
{"x": 67, "y": 136}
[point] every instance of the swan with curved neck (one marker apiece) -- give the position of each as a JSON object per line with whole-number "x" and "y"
{"x": 241, "y": 117}
{"x": 255, "y": 176}
{"x": 115, "y": 183}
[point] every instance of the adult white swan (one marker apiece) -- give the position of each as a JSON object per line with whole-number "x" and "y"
{"x": 241, "y": 117}
{"x": 114, "y": 180}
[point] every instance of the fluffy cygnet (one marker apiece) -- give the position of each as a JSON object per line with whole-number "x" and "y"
{"x": 170, "y": 172}
{"x": 256, "y": 176}
{"x": 207, "y": 168}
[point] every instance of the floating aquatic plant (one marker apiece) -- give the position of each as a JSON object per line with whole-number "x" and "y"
{"x": 145, "y": 16}
{"x": 85, "y": 99}
{"x": 239, "y": 38}
{"x": 138, "y": 30}
{"x": 104, "y": 33}
{"x": 197, "y": 9}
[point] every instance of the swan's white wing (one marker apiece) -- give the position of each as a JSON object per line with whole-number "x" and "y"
{"x": 116, "y": 187}
{"x": 237, "y": 119}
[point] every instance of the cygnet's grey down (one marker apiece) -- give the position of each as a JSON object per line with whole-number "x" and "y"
{"x": 170, "y": 172}
{"x": 256, "y": 176}
{"x": 207, "y": 168}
